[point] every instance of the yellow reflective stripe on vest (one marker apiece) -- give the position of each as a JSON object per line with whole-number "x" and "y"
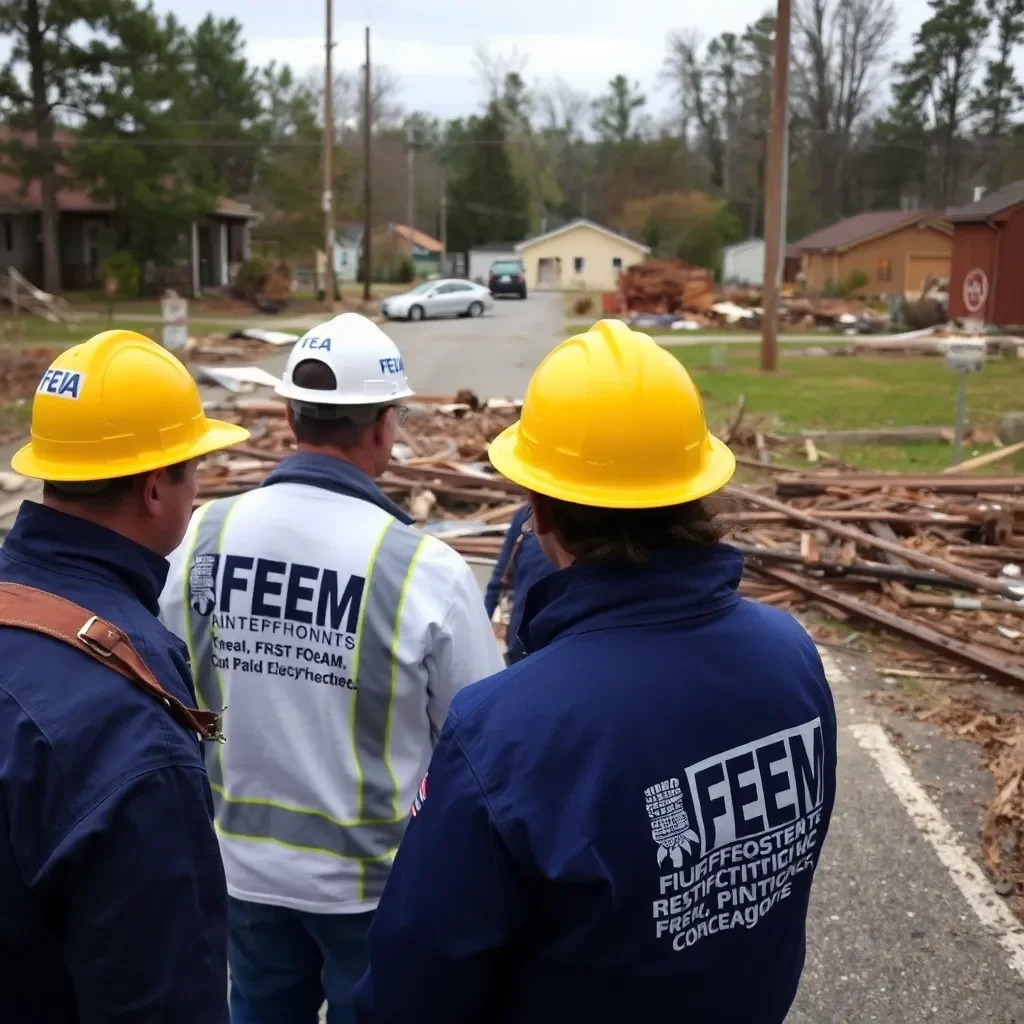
{"x": 376, "y": 668}
{"x": 377, "y": 830}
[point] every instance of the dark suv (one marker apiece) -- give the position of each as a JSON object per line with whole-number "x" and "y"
{"x": 507, "y": 277}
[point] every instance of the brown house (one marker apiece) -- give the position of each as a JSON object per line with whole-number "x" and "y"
{"x": 988, "y": 258}
{"x": 896, "y": 250}
{"x": 214, "y": 246}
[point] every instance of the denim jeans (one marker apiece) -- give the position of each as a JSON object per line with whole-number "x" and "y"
{"x": 284, "y": 963}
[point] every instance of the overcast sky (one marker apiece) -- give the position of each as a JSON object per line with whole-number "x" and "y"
{"x": 430, "y": 44}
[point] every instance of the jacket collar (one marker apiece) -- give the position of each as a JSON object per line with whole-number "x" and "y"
{"x": 62, "y": 543}
{"x": 679, "y": 585}
{"x": 335, "y": 475}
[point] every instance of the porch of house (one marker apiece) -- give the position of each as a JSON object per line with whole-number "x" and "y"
{"x": 212, "y": 251}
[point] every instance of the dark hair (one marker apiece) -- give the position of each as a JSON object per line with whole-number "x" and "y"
{"x": 328, "y": 425}
{"x": 616, "y": 536}
{"x": 106, "y": 493}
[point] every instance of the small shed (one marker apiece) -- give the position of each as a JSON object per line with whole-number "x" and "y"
{"x": 482, "y": 256}
{"x": 988, "y": 258}
{"x": 579, "y": 255}
{"x": 743, "y": 263}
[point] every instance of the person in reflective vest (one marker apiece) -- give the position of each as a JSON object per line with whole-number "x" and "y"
{"x": 335, "y": 635}
{"x": 521, "y": 562}
{"x": 114, "y": 905}
{"x": 625, "y": 824}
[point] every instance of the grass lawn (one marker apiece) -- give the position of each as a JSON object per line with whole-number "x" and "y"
{"x": 36, "y": 331}
{"x": 845, "y": 393}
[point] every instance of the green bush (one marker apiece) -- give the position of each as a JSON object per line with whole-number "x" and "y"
{"x": 124, "y": 268}
{"x": 856, "y": 280}
{"x": 583, "y": 305}
{"x": 406, "y": 272}
{"x": 250, "y": 279}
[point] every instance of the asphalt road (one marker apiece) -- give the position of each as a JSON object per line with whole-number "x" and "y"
{"x": 903, "y": 925}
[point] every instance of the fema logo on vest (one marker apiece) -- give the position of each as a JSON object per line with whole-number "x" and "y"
{"x": 202, "y": 584}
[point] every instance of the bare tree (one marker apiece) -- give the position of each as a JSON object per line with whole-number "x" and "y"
{"x": 839, "y": 55}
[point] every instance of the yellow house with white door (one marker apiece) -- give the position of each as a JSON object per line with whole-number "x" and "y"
{"x": 579, "y": 255}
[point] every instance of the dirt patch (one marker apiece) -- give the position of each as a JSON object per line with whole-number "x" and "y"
{"x": 21, "y": 369}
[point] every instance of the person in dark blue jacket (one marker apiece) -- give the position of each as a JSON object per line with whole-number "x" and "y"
{"x": 521, "y": 562}
{"x": 625, "y": 825}
{"x": 114, "y": 905}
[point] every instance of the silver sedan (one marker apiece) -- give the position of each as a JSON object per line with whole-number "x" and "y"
{"x": 448, "y": 297}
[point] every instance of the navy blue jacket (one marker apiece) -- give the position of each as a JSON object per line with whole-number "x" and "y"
{"x": 111, "y": 886}
{"x": 529, "y": 564}
{"x": 624, "y": 825}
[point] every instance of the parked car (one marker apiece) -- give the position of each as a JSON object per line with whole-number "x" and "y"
{"x": 438, "y": 298}
{"x": 507, "y": 277}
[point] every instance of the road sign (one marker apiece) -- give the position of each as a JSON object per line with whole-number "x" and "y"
{"x": 175, "y": 314}
{"x": 965, "y": 355}
{"x": 975, "y": 290}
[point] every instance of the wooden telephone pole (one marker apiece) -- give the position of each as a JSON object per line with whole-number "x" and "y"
{"x": 367, "y": 186}
{"x": 775, "y": 192}
{"x": 330, "y": 281}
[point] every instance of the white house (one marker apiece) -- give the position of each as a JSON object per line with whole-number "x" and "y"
{"x": 348, "y": 247}
{"x": 743, "y": 263}
{"x": 482, "y": 256}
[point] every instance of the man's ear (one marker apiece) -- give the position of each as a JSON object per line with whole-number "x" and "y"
{"x": 289, "y": 413}
{"x": 381, "y": 428}
{"x": 543, "y": 522}
{"x": 151, "y": 491}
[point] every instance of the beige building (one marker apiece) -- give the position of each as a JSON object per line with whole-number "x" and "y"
{"x": 895, "y": 250}
{"x": 579, "y": 255}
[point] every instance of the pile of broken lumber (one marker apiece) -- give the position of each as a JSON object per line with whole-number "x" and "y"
{"x": 935, "y": 560}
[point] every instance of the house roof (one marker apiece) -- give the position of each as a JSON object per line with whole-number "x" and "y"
{"x": 864, "y": 226}
{"x": 989, "y": 206}
{"x": 493, "y": 247}
{"x": 424, "y": 241}
{"x": 71, "y": 198}
{"x": 351, "y": 233}
{"x": 582, "y": 222}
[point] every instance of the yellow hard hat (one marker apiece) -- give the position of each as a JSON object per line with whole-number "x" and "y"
{"x": 612, "y": 420}
{"x": 116, "y": 405}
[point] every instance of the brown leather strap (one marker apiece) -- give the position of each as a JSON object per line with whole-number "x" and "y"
{"x": 506, "y": 576}
{"x": 28, "y": 608}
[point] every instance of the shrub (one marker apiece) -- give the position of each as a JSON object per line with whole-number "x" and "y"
{"x": 250, "y": 279}
{"x": 856, "y": 280}
{"x": 406, "y": 273}
{"x": 124, "y": 268}
{"x": 583, "y": 305}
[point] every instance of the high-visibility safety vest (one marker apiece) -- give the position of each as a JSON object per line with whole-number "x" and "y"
{"x": 334, "y": 635}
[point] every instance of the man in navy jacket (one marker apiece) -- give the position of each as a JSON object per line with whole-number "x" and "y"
{"x": 111, "y": 886}
{"x": 625, "y": 825}
{"x": 521, "y": 562}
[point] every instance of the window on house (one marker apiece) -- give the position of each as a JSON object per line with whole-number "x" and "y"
{"x": 885, "y": 270}
{"x": 616, "y": 263}
{"x": 577, "y": 265}
{"x": 344, "y": 257}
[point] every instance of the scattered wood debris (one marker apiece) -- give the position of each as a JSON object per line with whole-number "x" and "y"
{"x": 1000, "y": 737}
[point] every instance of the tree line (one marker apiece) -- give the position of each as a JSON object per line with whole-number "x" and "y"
{"x": 159, "y": 120}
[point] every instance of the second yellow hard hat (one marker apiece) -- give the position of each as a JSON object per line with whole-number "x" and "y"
{"x": 117, "y": 405}
{"x": 612, "y": 420}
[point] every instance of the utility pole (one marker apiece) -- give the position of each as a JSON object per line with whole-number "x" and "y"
{"x": 367, "y": 187}
{"x": 410, "y": 151}
{"x": 444, "y": 221}
{"x": 330, "y": 282}
{"x": 774, "y": 192}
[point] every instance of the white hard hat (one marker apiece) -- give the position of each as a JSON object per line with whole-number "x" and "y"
{"x": 367, "y": 365}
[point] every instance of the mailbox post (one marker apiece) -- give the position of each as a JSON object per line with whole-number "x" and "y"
{"x": 175, "y": 315}
{"x": 963, "y": 356}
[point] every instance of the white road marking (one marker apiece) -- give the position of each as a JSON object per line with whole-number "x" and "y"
{"x": 968, "y": 877}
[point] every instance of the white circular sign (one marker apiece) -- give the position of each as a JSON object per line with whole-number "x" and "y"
{"x": 975, "y": 290}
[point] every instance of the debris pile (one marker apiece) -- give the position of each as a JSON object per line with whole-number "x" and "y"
{"x": 666, "y": 286}
{"x": 439, "y": 472}
{"x": 931, "y": 559}
{"x": 1000, "y": 737}
{"x": 21, "y": 369}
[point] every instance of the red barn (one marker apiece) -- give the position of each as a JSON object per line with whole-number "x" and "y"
{"x": 986, "y": 278}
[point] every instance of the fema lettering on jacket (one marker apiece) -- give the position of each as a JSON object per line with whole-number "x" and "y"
{"x": 740, "y": 829}
{"x": 273, "y": 617}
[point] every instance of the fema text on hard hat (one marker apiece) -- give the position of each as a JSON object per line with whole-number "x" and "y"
{"x": 62, "y": 383}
